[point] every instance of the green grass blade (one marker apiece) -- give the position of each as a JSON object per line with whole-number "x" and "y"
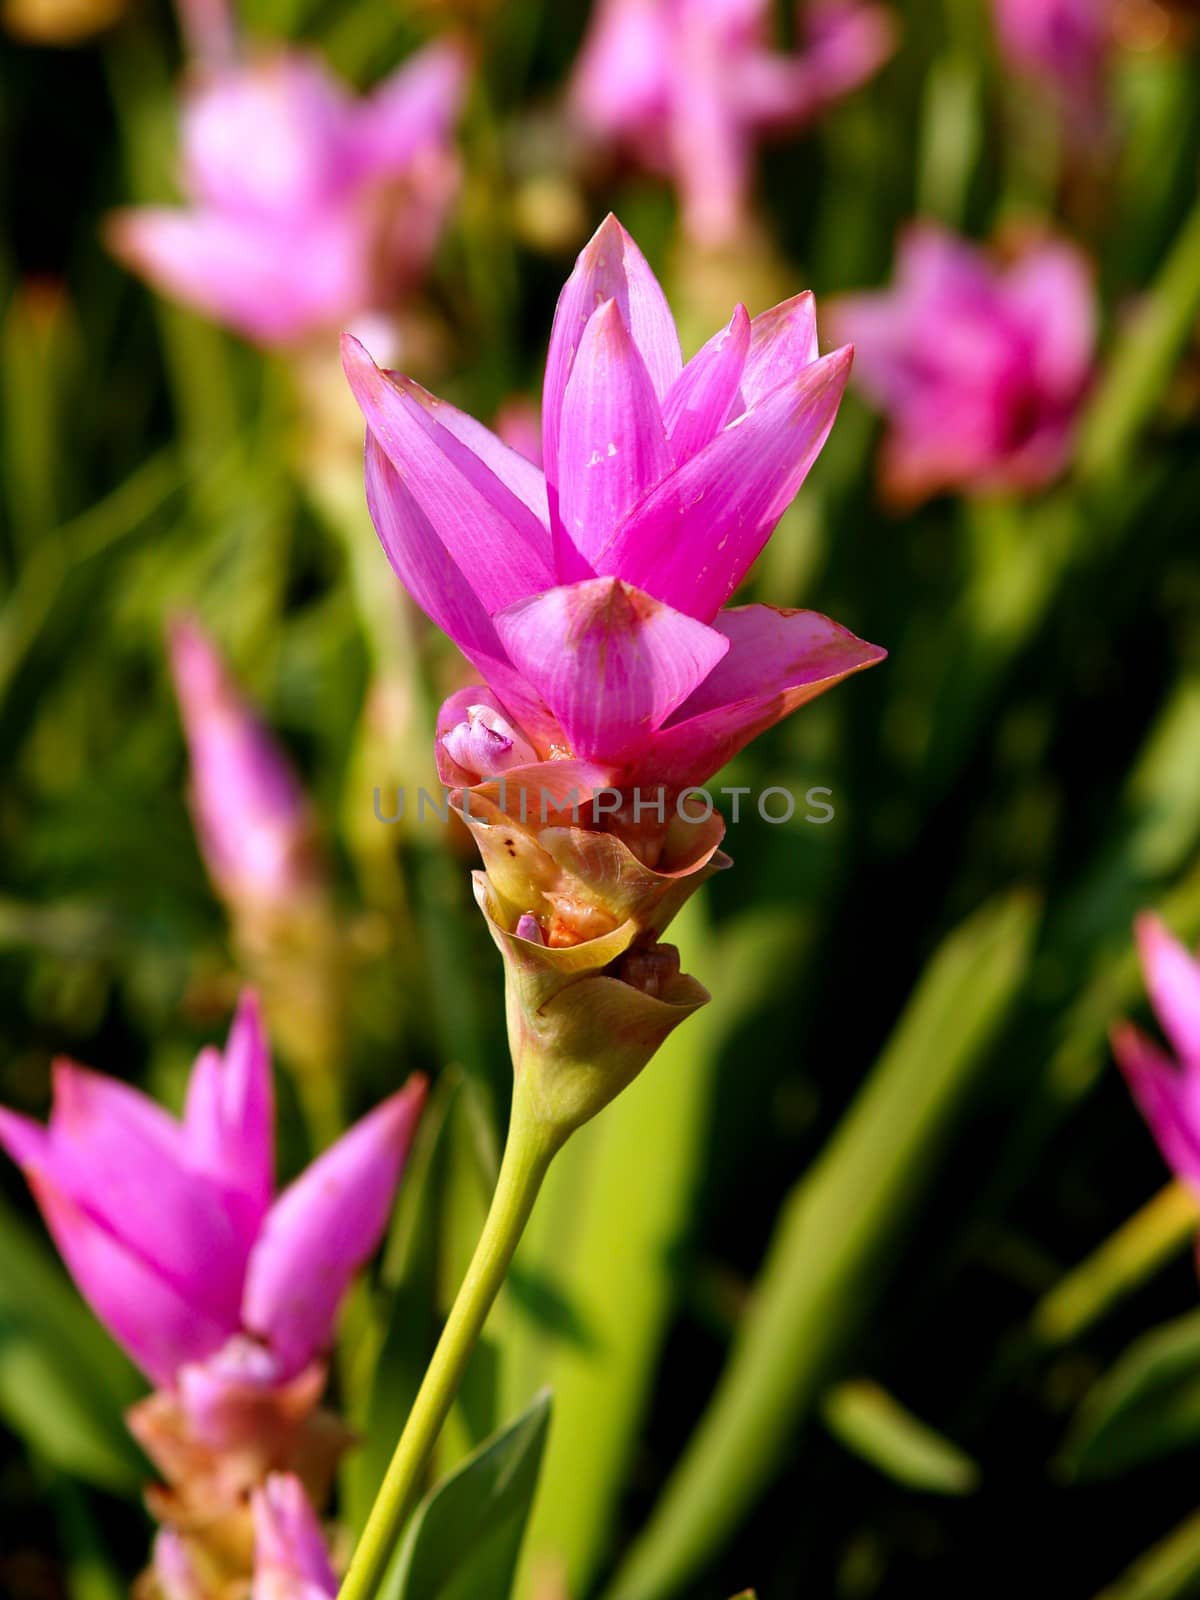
{"x": 827, "y": 1256}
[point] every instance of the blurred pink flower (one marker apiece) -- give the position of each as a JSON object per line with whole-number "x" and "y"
{"x": 979, "y": 368}
{"x": 291, "y": 1560}
{"x": 589, "y": 596}
{"x": 253, "y": 821}
{"x": 1064, "y": 44}
{"x": 688, "y": 87}
{"x": 308, "y": 207}
{"x": 1167, "y": 1090}
{"x": 170, "y": 1229}
{"x": 519, "y": 425}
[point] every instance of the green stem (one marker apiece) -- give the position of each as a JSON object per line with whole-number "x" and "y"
{"x": 530, "y": 1147}
{"x": 1143, "y": 359}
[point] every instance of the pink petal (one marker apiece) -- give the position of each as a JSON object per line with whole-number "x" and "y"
{"x": 158, "y": 1325}
{"x": 1051, "y": 289}
{"x": 251, "y": 814}
{"x": 424, "y": 566}
{"x": 242, "y": 270}
{"x": 269, "y": 139}
{"x": 291, "y": 1559}
{"x": 612, "y": 443}
{"x": 710, "y": 141}
{"x": 229, "y": 1123}
{"x": 1173, "y": 980}
{"x": 610, "y": 267}
{"x": 622, "y": 76}
{"x": 175, "y": 1573}
{"x": 110, "y": 1155}
{"x": 694, "y": 537}
{"x": 782, "y": 341}
{"x": 1168, "y": 1098}
{"x": 611, "y": 663}
{"x": 414, "y": 108}
{"x": 778, "y": 660}
{"x": 324, "y": 1227}
{"x": 702, "y": 399}
{"x": 516, "y": 472}
{"x": 489, "y": 534}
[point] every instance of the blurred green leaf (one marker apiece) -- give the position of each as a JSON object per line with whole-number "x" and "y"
{"x": 1169, "y": 1571}
{"x": 834, "y": 1240}
{"x": 1151, "y": 1237}
{"x": 465, "y": 1536}
{"x": 1145, "y": 1406}
{"x": 874, "y": 1425}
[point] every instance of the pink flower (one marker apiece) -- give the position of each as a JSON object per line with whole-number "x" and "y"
{"x": 590, "y": 596}
{"x": 1065, "y": 44}
{"x": 1166, "y": 1090}
{"x": 308, "y": 207}
{"x": 253, "y": 822}
{"x": 291, "y": 1560}
{"x": 979, "y": 369}
{"x": 170, "y": 1229}
{"x": 688, "y": 87}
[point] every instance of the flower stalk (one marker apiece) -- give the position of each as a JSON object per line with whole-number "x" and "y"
{"x": 529, "y": 1149}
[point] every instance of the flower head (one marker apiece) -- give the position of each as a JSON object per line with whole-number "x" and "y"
{"x": 283, "y": 165}
{"x": 589, "y": 596}
{"x": 979, "y": 368}
{"x": 1167, "y": 1090}
{"x": 253, "y": 821}
{"x": 170, "y": 1228}
{"x": 688, "y": 87}
{"x": 1064, "y": 44}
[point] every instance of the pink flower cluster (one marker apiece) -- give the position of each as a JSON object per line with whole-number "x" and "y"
{"x": 591, "y": 596}
{"x": 223, "y": 1293}
{"x": 308, "y": 207}
{"x": 979, "y": 368}
{"x": 689, "y": 87}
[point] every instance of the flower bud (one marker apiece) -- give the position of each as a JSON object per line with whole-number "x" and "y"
{"x": 584, "y": 1019}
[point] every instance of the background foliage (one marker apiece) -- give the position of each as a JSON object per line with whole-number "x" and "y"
{"x": 917, "y": 1393}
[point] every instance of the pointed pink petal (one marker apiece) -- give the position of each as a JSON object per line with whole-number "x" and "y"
{"x": 229, "y": 1123}
{"x": 778, "y": 660}
{"x": 414, "y": 108}
{"x": 291, "y": 1559}
{"x": 516, "y": 472}
{"x": 1168, "y": 1098}
{"x": 1173, "y": 980}
{"x": 424, "y": 566}
{"x": 782, "y": 341}
{"x": 489, "y": 534}
{"x": 155, "y": 1322}
{"x": 702, "y": 399}
{"x": 111, "y": 1154}
{"x": 251, "y": 814}
{"x": 610, "y": 267}
{"x": 612, "y": 444}
{"x": 324, "y": 1227}
{"x": 242, "y": 270}
{"x": 611, "y": 663}
{"x": 692, "y": 539}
